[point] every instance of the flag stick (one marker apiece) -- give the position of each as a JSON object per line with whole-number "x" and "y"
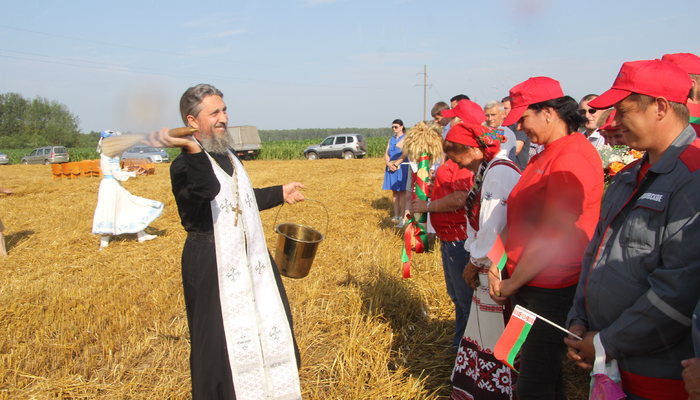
{"x": 554, "y": 325}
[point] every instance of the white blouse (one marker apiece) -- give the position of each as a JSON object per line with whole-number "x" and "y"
{"x": 495, "y": 189}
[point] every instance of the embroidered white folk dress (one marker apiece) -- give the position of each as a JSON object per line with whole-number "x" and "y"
{"x": 258, "y": 338}
{"x": 119, "y": 211}
{"x": 477, "y": 373}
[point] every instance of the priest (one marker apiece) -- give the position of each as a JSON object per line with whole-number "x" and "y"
{"x": 240, "y": 323}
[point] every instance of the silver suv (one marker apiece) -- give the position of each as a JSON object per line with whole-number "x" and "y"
{"x": 347, "y": 146}
{"x": 151, "y": 154}
{"x": 47, "y": 155}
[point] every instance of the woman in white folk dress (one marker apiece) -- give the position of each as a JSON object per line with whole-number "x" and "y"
{"x": 118, "y": 211}
{"x": 477, "y": 373}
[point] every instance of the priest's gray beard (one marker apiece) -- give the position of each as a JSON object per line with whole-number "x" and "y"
{"x": 217, "y": 144}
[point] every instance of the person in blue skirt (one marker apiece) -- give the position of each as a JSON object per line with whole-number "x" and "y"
{"x": 396, "y": 175}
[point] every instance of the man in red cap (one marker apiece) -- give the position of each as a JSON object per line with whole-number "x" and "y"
{"x": 641, "y": 271}
{"x": 468, "y": 111}
{"x": 612, "y": 135}
{"x": 690, "y": 63}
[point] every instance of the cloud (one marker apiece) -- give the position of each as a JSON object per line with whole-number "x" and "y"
{"x": 229, "y": 33}
{"x": 312, "y": 3}
{"x": 209, "y": 52}
{"x": 431, "y": 43}
{"x": 209, "y": 20}
{"x": 381, "y": 57}
{"x": 195, "y": 23}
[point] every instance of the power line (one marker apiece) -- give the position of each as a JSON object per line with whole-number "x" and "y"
{"x": 180, "y": 54}
{"x": 151, "y": 71}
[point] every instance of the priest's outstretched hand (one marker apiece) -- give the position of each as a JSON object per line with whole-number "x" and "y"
{"x": 291, "y": 192}
{"x": 163, "y": 139}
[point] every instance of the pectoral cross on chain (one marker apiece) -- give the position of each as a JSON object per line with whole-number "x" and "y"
{"x": 237, "y": 210}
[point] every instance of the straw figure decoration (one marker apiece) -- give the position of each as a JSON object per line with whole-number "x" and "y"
{"x": 423, "y": 145}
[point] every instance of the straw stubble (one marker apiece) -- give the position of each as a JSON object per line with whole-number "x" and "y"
{"x": 83, "y": 323}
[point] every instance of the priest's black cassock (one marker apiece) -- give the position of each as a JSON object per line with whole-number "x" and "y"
{"x": 195, "y": 186}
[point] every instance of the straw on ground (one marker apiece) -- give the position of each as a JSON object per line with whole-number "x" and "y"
{"x": 83, "y": 323}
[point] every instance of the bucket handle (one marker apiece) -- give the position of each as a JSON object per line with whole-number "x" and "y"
{"x": 324, "y": 207}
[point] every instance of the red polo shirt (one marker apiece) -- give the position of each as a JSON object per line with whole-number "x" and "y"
{"x": 450, "y": 226}
{"x": 567, "y": 175}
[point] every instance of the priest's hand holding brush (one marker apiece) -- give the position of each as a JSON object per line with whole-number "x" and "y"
{"x": 216, "y": 141}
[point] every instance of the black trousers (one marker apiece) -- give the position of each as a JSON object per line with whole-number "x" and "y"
{"x": 544, "y": 350}
{"x": 209, "y": 364}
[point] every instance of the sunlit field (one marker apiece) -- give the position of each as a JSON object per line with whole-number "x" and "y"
{"x": 82, "y": 323}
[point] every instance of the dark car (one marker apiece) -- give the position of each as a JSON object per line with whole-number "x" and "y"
{"x": 47, "y": 155}
{"x": 347, "y": 146}
{"x": 147, "y": 153}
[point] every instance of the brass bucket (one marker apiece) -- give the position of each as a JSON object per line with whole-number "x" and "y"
{"x": 296, "y": 247}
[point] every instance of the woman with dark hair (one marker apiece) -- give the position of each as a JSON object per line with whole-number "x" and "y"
{"x": 448, "y": 217}
{"x": 552, "y": 214}
{"x": 396, "y": 173}
{"x": 478, "y": 149}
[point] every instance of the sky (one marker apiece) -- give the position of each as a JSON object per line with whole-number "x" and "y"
{"x": 320, "y": 63}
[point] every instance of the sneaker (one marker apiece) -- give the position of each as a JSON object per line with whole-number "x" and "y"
{"x": 146, "y": 237}
{"x": 400, "y": 225}
{"x": 395, "y": 219}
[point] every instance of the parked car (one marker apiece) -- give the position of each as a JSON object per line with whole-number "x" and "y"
{"x": 47, "y": 155}
{"x": 4, "y": 159}
{"x": 347, "y": 146}
{"x": 148, "y": 153}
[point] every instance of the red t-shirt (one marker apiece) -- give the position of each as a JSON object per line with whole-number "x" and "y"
{"x": 567, "y": 175}
{"x": 450, "y": 226}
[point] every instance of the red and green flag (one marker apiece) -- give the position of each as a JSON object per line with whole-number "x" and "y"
{"x": 514, "y": 335}
{"x": 497, "y": 255}
{"x": 416, "y": 229}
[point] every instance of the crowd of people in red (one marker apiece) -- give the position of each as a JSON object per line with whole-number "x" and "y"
{"x": 618, "y": 265}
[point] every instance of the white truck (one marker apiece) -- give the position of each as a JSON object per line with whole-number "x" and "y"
{"x": 246, "y": 141}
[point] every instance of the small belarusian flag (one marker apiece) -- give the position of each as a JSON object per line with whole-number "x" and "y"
{"x": 514, "y": 335}
{"x": 497, "y": 255}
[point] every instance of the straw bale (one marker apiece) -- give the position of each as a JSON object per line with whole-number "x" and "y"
{"x": 83, "y": 323}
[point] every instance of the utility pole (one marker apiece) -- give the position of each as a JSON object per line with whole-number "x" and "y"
{"x": 425, "y": 89}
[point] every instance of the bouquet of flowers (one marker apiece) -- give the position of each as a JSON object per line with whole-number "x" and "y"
{"x": 616, "y": 158}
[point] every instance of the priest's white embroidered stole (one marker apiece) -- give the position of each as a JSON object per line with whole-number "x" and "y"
{"x": 258, "y": 337}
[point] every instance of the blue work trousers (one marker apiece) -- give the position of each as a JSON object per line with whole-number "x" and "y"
{"x": 454, "y": 259}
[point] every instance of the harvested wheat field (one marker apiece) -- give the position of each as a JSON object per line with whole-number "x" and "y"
{"x": 82, "y": 323}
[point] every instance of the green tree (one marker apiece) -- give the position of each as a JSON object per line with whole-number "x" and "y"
{"x": 13, "y": 107}
{"x": 38, "y": 122}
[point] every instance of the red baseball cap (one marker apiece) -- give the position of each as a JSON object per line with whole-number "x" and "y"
{"x": 532, "y": 91}
{"x": 649, "y": 77}
{"x": 688, "y": 62}
{"x": 608, "y": 122}
{"x": 467, "y": 111}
